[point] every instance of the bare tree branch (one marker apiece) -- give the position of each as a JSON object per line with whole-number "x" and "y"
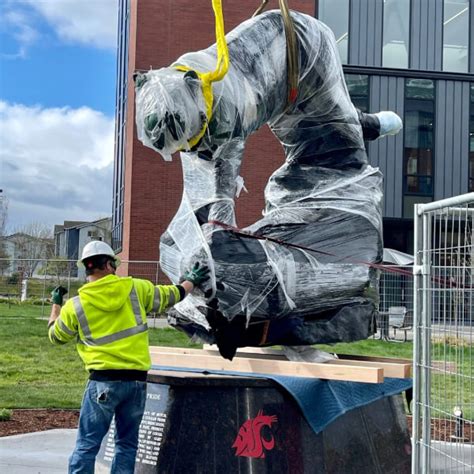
{"x": 33, "y": 242}
{"x": 3, "y": 214}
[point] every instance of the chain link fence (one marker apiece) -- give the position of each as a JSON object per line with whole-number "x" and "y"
{"x": 33, "y": 280}
{"x": 394, "y": 288}
{"x": 395, "y": 318}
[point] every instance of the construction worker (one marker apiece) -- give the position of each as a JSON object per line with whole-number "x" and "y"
{"x": 108, "y": 321}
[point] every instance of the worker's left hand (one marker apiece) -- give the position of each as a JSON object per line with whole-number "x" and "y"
{"x": 57, "y": 295}
{"x": 197, "y": 274}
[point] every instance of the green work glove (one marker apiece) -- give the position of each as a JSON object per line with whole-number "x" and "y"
{"x": 57, "y": 295}
{"x": 197, "y": 274}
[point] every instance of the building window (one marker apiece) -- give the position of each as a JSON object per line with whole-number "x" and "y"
{"x": 358, "y": 87}
{"x": 120, "y": 124}
{"x": 471, "y": 142}
{"x": 419, "y": 139}
{"x": 335, "y": 14}
{"x": 456, "y": 35}
{"x": 396, "y": 33}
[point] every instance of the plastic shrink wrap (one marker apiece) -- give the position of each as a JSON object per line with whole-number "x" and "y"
{"x": 325, "y": 196}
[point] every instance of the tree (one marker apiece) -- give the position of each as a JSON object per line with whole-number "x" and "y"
{"x": 4, "y": 258}
{"x": 3, "y": 214}
{"x": 33, "y": 243}
{"x": 57, "y": 267}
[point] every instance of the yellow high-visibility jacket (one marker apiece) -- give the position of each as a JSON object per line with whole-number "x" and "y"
{"x": 108, "y": 321}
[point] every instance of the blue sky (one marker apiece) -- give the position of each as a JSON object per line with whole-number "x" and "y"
{"x": 57, "y": 101}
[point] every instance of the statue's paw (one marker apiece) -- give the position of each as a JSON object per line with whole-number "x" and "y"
{"x": 390, "y": 123}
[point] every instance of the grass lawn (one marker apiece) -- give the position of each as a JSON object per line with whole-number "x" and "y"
{"x": 36, "y": 374}
{"x": 38, "y": 287}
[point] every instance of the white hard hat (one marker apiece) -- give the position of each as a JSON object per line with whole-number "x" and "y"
{"x": 97, "y": 247}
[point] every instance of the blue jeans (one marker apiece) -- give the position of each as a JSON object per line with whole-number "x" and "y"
{"x": 103, "y": 400}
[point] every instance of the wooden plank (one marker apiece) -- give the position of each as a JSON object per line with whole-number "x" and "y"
{"x": 267, "y": 350}
{"x": 185, "y": 359}
{"x": 246, "y": 350}
{"x": 177, "y": 350}
{"x": 395, "y": 370}
{"x": 393, "y": 360}
{"x": 185, "y": 350}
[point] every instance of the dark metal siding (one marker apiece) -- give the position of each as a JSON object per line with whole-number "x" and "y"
{"x": 451, "y": 142}
{"x": 426, "y": 34}
{"x": 471, "y": 36}
{"x": 451, "y": 138}
{"x": 387, "y": 93}
{"x": 365, "y": 33}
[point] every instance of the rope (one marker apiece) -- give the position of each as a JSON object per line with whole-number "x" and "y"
{"x": 291, "y": 53}
{"x": 207, "y": 78}
{"x": 260, "y": 8}
{"x": 292, "y": 66}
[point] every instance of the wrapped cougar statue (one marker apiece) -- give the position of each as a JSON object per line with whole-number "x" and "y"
{"x": 325, "y": 197}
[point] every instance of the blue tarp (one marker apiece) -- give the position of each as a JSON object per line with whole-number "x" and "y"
{"x": 321, "y": 401}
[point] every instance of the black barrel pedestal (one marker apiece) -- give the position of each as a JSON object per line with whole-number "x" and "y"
{"x": 224, "y": 425}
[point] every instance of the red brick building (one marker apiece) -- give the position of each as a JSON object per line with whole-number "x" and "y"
{"x": 147, "y": 190}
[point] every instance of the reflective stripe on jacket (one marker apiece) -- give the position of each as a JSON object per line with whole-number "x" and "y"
{"x": 108, "y": 321}
{"x": 87, "y": 338}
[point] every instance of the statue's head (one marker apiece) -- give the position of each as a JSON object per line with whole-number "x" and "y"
{"x": 170, "y": 109}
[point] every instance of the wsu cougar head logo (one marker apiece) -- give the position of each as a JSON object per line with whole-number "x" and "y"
{"x": 249, "y": 441}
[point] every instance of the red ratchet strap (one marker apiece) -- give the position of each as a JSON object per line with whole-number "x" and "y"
{"x": 237, "y": 231}
{"x": 293, "y": 95}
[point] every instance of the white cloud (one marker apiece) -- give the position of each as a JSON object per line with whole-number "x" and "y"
{"x": 21, "y": 29}
{"x": 55, "y": 164}
{"x": 87, "y": 22}
{"x": 90, "y": 22}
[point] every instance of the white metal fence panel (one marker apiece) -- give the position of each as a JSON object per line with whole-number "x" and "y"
{"x": 34, "y": 279}
{"x": 443, "y": 405}
{"x": 395, "y": 319}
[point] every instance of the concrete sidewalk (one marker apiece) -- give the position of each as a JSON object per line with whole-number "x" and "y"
{"x": 47, "y": 452}
{"x": 43, "y": 452}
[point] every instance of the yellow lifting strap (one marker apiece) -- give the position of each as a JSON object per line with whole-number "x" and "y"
{"x": 207, "y": 78}
{"x": 291, "y": 49}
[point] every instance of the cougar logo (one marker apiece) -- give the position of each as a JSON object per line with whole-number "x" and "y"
{"x": 249, "y": 441}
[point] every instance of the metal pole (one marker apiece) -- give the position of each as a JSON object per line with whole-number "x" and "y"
{"x": 43, "y": 296}
{"x": 449, "y": 202}
{"x": 157, "y": 273}
{"x": 426, "y": 344}
{"x": 416, "y": 341}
